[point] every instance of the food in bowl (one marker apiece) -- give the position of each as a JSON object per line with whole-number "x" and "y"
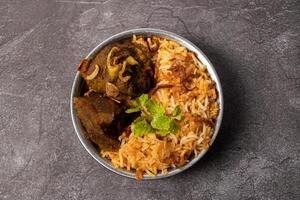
{"x": 148, "y": 104}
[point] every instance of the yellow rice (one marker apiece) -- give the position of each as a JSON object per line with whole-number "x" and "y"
{"x": 153, "y": 154}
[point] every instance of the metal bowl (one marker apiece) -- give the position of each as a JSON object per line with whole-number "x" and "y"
{"x": 78, "y": 82}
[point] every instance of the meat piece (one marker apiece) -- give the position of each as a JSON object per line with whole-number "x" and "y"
{"x": 103, "y": 119}
{"x": 119, "y": 124}
{"x": 94, "y": 113}
{"x": 141, "y": 80}
{"x": 86, "y": 69}
{"x": 123, "y": 64}
{"x": 139, "y": 71}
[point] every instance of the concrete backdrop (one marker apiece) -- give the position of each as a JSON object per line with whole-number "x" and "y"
{"x": 254, "y": 46}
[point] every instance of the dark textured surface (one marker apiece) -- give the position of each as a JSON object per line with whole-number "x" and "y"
{"x": 254, "y": 46}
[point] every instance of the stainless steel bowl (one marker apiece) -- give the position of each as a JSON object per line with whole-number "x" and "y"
{"x": 77, "y": 84}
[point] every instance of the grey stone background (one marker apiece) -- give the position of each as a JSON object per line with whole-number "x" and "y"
{"x": 254, "y": 46}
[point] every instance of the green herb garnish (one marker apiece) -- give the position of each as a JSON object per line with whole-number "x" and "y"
{"x": 141, "y": 127}
{"x": 154, "y": 108}
{"x": 161, "y": 122}
{"x": 177, "y": 113}
{"x": 133, "y": 110}
{"x": 153, "y": 117}
{"x": 143, "y": 99}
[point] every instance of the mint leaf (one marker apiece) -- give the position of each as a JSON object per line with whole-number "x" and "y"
{"x": 173, "y": 127}
{"x": 135, "y": 107}
{"x": 161, "y": 122}
{"x": 163, "y": 133}
{"x": 176, "y": 111}
{"x": 176, "y": 114}
{"x": 152, "y": 111}
{"x": 164, "y": 124}
{"x": 134, "y": 103}
{"x": 179, "y": 117}
{"x": 141, "y": 127}
{"x": 155, "y": 108}
{"x": 143, "y": 99}
{"x": 133, "y": 110}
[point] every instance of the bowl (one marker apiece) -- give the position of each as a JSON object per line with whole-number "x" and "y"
{"x": 78, "y": 82}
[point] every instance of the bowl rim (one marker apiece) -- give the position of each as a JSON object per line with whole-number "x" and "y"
{"x": 126, "y": 34}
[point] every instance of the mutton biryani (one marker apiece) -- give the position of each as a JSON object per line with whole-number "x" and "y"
{"x": 148, "y": 104}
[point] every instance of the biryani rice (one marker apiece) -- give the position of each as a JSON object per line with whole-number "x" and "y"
{"x": 195, "y": 92}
